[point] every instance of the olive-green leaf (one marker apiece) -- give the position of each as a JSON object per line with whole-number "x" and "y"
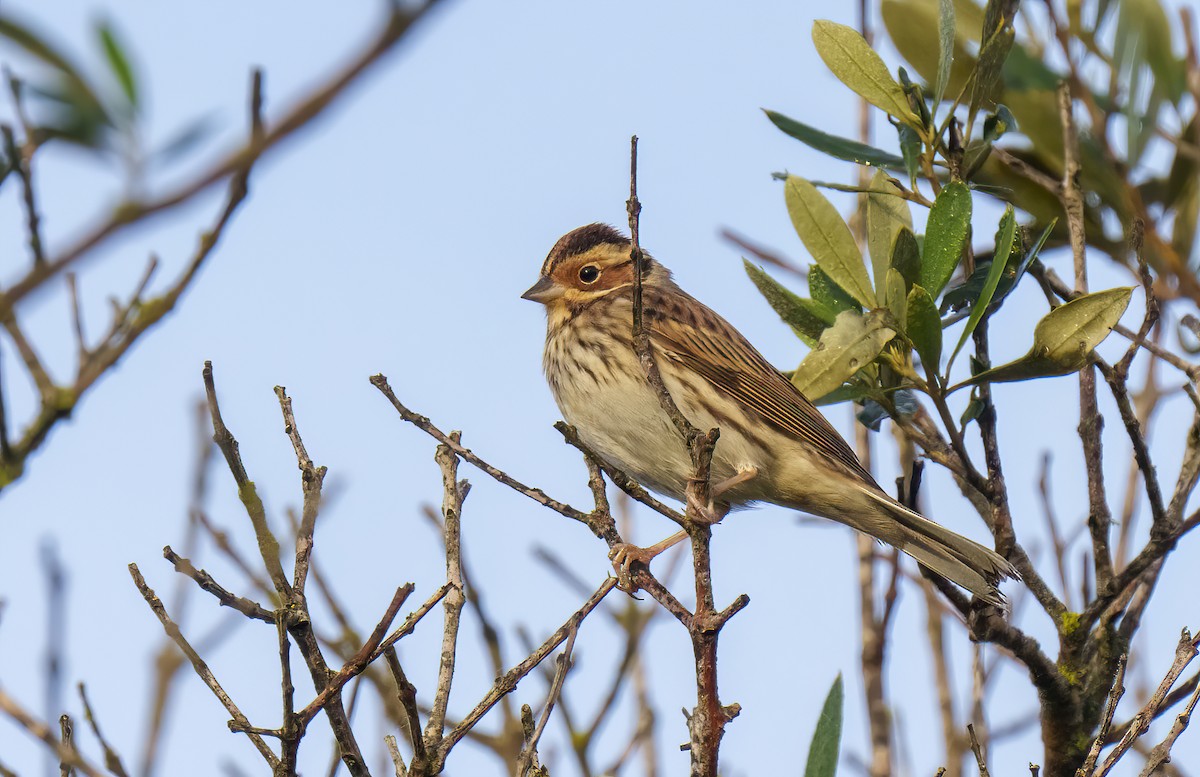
{"x": 913, "y": 26}
{"x": 998, "y": 36}
{"x": 37, "y": 46}
{"x": 119, "y": 63}
{"x": 910, "y": 148}
{"x": 806, "y": 318}
{"x": 853, "y": 342}
{"x": 828, "y": 294}
{"x": 849, "y": 57}
{"x": 924, "y": 327}
{"x": 946, "y": 235}
{"x": 1004, "y": 246}
{"x": 1063, "y": 339}
{"x": 945, "y": 49}
{"x": 906, "y": 255}
{"x": 827, "y": 738}
{"x": 840, "y": 148}
{"x": 887, "y": 214}
{"x": 826, "y": 236}
{"x": 896, "y": 295}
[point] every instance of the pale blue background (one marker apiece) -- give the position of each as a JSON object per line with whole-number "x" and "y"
{"x": 395, "y": 236}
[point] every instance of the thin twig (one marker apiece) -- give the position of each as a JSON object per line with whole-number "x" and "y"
{"x": 201, "y": 668}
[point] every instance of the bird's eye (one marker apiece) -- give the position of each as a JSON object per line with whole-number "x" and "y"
{"x": 589, "y": 273}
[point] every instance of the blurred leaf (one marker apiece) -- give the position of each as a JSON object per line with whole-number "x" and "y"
{"x": 1183, "y": 231}
{"x": 806, "y": 318}
{"x": 1184, "y": 169}
{"x": 1063, "y": 339}
{"x": 1025, "y": 72}
{"x": 945, "y": 49}
{"x": 823, "y": 752}
{"x": 41, "y": 49}
{"x": 916, "y": 98}
{"x": 839, "y": 148}
{"x": 1004, "y": 246}
{"x": 896, "y": 296}
{"x": 119, "y": 62}
{"x": 946, "y": 235}
{"x": 188, "y": 138}
{"x": 998, "y": 123}
{"x": 994, "y": 127}
{"x": 828, "y": 294}
{"x": 973, "y": 411}
{"x": 887, "y": 214}
{"x": 913, "y": 27}
{"x": 854, "y": 340}
{"x": 849, "y": 57}
{"x": 998, "y": 36}
{"x": 828, "y": 239}
{"x": 1143, "y": 34}
{"x": 910, "y": 149}
{"x": 906, "y": 256}
{"x": 924, "y": 327}
{"x": 904, "y": 401}
{"x": 849, "y": 392}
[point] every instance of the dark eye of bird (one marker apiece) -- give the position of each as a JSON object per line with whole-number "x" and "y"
{"x": 589, "y": 273}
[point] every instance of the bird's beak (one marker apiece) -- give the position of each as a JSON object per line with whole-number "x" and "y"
{"x": 544, "y": 291}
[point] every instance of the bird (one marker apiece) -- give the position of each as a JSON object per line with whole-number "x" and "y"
{"x": 774, "y": 445}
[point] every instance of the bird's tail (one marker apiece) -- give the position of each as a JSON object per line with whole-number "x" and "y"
{"x": 954, "y": 557}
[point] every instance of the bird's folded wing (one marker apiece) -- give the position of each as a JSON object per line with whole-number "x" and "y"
{"x": 720, "y": 354}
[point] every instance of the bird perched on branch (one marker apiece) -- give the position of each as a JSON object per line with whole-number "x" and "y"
{"x": 774, "y": 444}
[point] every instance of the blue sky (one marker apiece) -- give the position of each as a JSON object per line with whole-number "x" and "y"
{"x": 395, "y": 236}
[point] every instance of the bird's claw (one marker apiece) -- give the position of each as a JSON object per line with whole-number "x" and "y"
{"x": 623, "y": 556}
{"x": 706, "y": 513}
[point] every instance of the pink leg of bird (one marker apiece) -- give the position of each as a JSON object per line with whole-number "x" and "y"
{"x": 624, "y": 555}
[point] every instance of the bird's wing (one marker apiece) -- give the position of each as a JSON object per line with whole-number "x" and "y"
{"x": 720, "y": 354}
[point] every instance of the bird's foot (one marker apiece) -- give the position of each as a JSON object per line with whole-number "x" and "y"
{"x": 714, "y": 511}
{"x": 709, "y": 513}
{"x": 625, "y": 554}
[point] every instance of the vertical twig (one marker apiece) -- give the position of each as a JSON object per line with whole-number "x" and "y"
{"x": 1091, "y": 423}
{"x": 454, "y": 492}
{"x": 707, "y": 721}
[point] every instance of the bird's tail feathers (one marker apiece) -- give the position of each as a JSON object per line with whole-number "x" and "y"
{"x": 956, "y": 558}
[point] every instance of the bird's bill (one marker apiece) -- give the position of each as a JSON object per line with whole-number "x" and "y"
{"x": 545, "y": 290}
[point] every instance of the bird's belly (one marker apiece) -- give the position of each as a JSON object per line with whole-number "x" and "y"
{"x": 620, "y": 418}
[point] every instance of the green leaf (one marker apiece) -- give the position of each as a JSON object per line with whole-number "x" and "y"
{"x": 910, "y": 148}
{"x": 823, "y": 752}
{"x": 806, "y": 318}
{"x": 912, "y": 26}
{"x": 906, "y": 256}
{"x": 849, "y": 392}
{"x": 973, "y": 411}
{"x": 826, "y": 236}
{"x": 998, "y": 123}
{"x": 849, "y": 57}
{"x": 1004, "y": 247}
{"x": 887, "y": 214}
{"x": 834, "y": 146}
{"x": 896, "y": 296}
{"x": 853, "y": 342}
{"x": 77, "y": 86}
{"x": 998, "y": 36}
{"x": 946, "y": 235}
{"x": 924, "y": 327}
{"x": 945, "y": 49}
{"x": 119, "y": 62}
{"x": 828, "y": 294}
{"x": 1063, "y": 339}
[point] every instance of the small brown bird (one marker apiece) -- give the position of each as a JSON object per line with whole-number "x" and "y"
{"x": 774, "y": 446}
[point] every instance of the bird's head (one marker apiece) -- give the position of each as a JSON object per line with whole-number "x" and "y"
{"x": 586, "y": 264}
